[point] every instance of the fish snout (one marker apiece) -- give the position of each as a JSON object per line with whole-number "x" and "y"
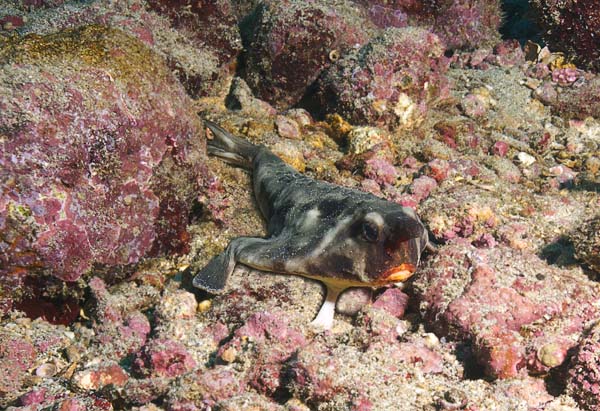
{"x": 406, "y": 261}
{"x": 399, "y": 273}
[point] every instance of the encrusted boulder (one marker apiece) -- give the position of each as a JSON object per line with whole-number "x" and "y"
{"x": 290, "y": 42}
{"x": 391, "y": 81}
{"x": 101, "y": 154}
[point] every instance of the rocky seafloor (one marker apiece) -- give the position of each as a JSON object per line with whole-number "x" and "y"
{"x": 109, "y": 203}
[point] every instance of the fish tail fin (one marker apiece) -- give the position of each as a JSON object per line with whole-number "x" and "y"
{"x": 230, "y": 148}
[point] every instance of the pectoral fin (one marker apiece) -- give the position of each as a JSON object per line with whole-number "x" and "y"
{"x": 213, "y": 277}
{"x": 265, "y": 254}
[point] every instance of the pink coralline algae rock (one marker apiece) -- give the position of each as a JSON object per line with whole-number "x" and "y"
{"x": 519, "y": 312}
{"x": 291, "y": 41}
{"x": 390, "y": 81}
{"x": 120, "y": 328}
{"x": 102, "y": 157}
{"x": 500, "y": 148}
{"x": 263, "y": 344}
{"x": 573, "y": 102}
{"x": 572, "y": 26}
{"x": 380, "y": 170}
{"x": 287, "y": 127}
{"x": 164, "y": 358}
{"x": 438, "y": 169}
{"x": 459, "y": 23}
{"x": 566, "y": 76}
{"x": 202, "y": 389}
{"x": 393, "y": 301}
{"x": 208, "y": 24}
{"x": 507, "y": 54}
{"x": 16, "y": 356}
{"x": 325, "y": 375}
{"x": 421, "y": 187}
{"x": 584, "y": 372}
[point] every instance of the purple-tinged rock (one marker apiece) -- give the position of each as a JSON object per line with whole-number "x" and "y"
{"x": 290, "y": 42}
{"x": 120, "y": 328}
{"x": 422, "y": 186}
{"x": 164, "y": 358}
{"x": 391, "y": 81}
{"x": 392, "y": 301}
{"x": 566, "y": 76}
{"x": 380, "y": 170}
{"x": 207, "y": 24}
{"x": 572, "y": 27}
{"x": 538, "y": 71}
{"x": 16, "y": 356}
{"x": 287, "y": 127}
{"x": 573, "y": 102}
{"x": 102, "y": 159}
{"x": 507, "y": 53}
{"x": 584, "y": 372}
{"x": 263, "y": 343}
{"x": 458, "y": 23}
{"x": 500, "y": 148}
{"x": 511, "y": 305}
{"x": 352, "y": 300}
{"x": 437, "y": 169}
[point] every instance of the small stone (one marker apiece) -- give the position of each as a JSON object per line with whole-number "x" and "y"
{"x": 525, "y": 159}
{"x": 431, "y": 340}
{"x": 177, "y": 305}
{"x": 98, "y": 377}
{"x": 362, "y": 139}
{"x": 592, "y": 165}
{"x": 393, "y": 301}
{"x": 229, "y": 355}
{"x": 73, "y": 354}
{"x": 546, "y": 93}
{"x": 352, "y": 300}
{"x": 287, "y": 128}
{"x": 300, "y": 116}
{"x": 551, "y": 355}
{"x": 500, "y": 148}
{"x": 204, "y": 306}
{"x": 46, "y": 370}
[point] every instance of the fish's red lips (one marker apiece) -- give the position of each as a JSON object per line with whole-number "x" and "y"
{"x": 399, "y": 273}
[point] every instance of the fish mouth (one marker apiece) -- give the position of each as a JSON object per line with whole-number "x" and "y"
{"x": 399, "y": 273}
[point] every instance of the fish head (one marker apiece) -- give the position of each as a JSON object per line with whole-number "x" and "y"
{"x": 394, "y": 241}
{"x": 376, "y": 245}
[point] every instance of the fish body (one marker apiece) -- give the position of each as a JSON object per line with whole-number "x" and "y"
{"x": 337, "y": 235}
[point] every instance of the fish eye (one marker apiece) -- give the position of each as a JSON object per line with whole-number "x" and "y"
{"x": 370, "y": 231}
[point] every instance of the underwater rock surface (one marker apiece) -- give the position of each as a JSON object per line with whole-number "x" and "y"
{"x": 572, "y": 27}
{"x": 101, "y": 157}
{"x": 105, "y": 184}
{"x": 391, "y": 81}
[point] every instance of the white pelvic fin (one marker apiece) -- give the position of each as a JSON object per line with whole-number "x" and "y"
{"x": 324, "y": 319}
